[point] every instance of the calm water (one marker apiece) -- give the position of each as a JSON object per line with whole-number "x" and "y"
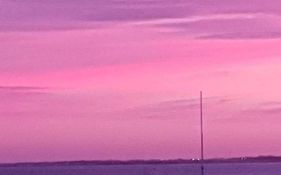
{"x": 213, "y": 169}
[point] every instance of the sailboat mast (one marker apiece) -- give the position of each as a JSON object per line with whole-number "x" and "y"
{"x": 202, "y": 134}
{"x": 201, "y": 126}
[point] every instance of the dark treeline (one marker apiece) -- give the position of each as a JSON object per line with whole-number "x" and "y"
{"x": 258, "y": 159}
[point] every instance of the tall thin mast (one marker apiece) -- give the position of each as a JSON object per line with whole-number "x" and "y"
{"x": 202, "y": 134}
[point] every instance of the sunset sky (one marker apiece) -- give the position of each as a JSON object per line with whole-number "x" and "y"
{"x": 120, "y": 79}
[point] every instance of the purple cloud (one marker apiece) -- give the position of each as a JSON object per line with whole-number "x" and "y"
{"x": 226, "y": 26}
{"x": 66, "y": 15}
{"x": 271, "y": 108}
{"x": 172, "y": 109}
{"x": 21, "y": 88}
{"x": 266, "y": 111}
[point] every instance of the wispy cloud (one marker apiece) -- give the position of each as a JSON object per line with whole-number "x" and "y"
{"x": 226, "y": 26}
{"x": 172, "y": 109}
{"x": 252, "y": 113}
{"x": 265, "y": 109}
{"x": 21, "y": 88}
{"x": 189, "y": 19}
{"x": 208, "y": 19}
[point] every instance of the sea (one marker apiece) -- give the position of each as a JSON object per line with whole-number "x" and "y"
{"x": 160, "y": 169}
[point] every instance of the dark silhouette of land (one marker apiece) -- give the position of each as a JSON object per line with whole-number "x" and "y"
{"x": 259, "y": 159}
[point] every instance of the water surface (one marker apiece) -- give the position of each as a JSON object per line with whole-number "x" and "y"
{"x": 178, "y": 169}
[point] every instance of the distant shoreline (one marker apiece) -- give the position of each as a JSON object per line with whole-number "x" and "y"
{"x": 260, "y": 159}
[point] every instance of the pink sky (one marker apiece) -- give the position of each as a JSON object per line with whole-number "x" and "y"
{"x": 120, "y": 84}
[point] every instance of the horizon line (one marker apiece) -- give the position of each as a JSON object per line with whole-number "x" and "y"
{"x": 128, "y": 161}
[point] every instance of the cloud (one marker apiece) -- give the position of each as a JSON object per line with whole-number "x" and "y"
{"x": 265, "y": 109}
{"x": 172, "y": 109}
{"x": 265, "y": 112}
{"x": 47, "y": 15}
{"x": 21, "y": 100}
{"x": 226, "y": 26}
{"x": 19, "y": 94}
{"x": 208, "y": 19}
{"x": 271, "y": 104}
{"x": 22, "y": 93}
{"x": 21, "y": 88}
